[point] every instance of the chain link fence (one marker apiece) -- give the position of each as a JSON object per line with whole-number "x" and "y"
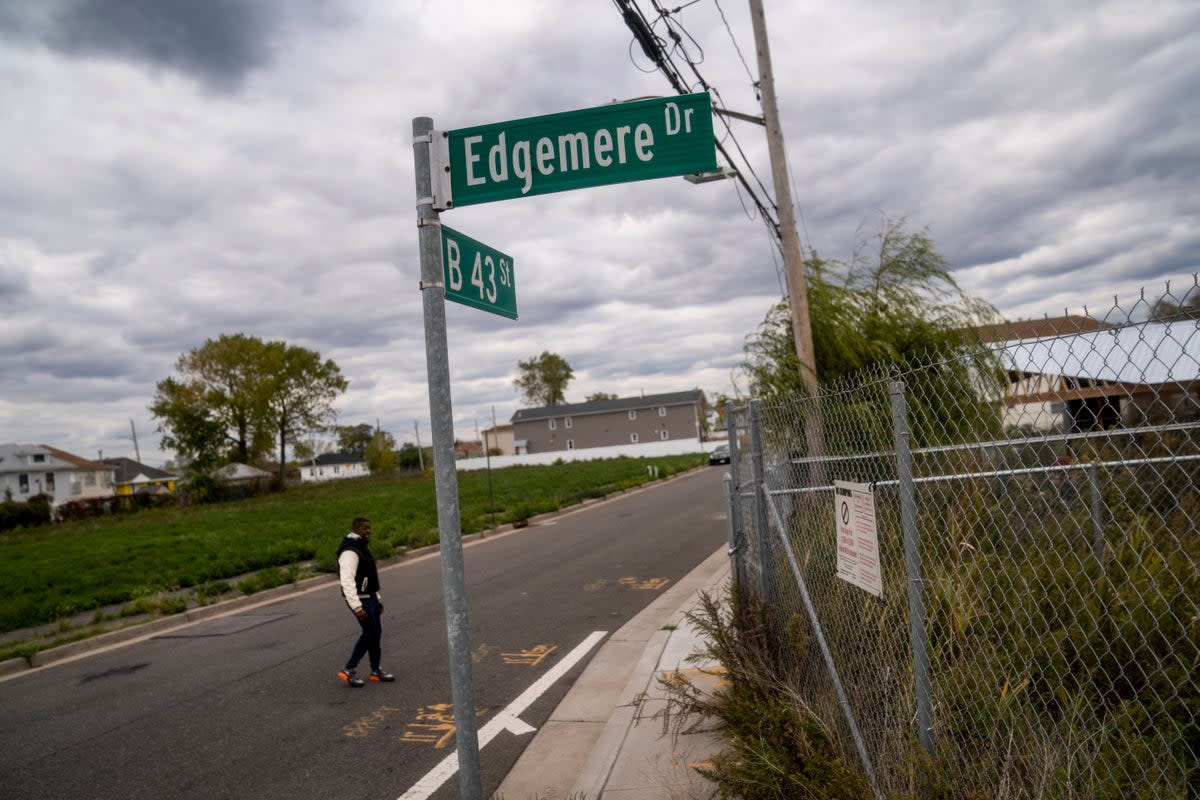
{"x": 989, "y": 565}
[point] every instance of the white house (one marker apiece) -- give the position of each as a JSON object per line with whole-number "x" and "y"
{"x": 333, "y": 466}
{"x": 1104, "y": 378}
{"x": 31, "y": 469}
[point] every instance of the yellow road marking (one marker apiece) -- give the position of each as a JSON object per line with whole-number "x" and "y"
{"x": 630, "y": 582}
{"x": 434, "y": 724}
{"x": 364, "y": 726}
{"x": 644, "y": 584}
{"x": 530, "y": 657}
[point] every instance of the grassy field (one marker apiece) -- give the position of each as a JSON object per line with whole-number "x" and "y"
{"x": 50, "y": 573}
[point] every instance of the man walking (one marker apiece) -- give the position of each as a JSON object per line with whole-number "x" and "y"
{"x": 360, "y": 589}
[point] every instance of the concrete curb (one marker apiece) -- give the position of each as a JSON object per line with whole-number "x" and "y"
{"x": 602, "y": 765}
{"x": 578, "y": 747}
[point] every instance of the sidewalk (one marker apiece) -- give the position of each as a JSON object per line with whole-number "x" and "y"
{"x": 602, "y": 742}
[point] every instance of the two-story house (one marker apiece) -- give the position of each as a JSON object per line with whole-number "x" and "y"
{"x": 32, "y": 469}
{"x": 604, "y": 423}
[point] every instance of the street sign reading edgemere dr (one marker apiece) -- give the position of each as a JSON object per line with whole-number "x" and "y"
{"x": 615, "y": 143}
{"x": 477, "y": 275}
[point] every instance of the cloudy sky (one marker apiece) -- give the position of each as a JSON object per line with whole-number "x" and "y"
{"x": 174, "y": 171}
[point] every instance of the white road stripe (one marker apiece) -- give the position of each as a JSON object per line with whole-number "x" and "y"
{"x": 506, "y": 720}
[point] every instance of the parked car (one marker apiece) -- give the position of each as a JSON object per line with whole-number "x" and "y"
{"x": 719, "y": 454}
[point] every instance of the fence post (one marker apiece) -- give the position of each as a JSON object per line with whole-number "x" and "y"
{"x": 823, "y": 644}
{"x": 736, "y": 523}
{"x": 760, "y": 501}
{"x": 734, "y": 544}
{"x": 912, "y": 567}
{"x": 1093, "y": 476}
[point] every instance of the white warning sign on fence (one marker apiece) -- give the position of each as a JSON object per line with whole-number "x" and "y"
{"x": 857, "y": 538}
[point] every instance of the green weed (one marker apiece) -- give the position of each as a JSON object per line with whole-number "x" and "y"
{"x": 92, "y": 563}
{"x": 776, "y": 747}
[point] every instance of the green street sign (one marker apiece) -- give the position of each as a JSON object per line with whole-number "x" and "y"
{"x": 615, "y": 143}
{"x": 478, "y": 276}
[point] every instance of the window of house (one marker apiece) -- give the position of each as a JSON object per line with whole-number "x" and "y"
{"x": 49, "y": 481}
{"x": 23, "y": 483}
{"x": 662, "y": 411}
{"x": 633, "y": 437}
{"x": 570, "y": 444}
{"x": 567, "y": 423}
{"x": 39, "y": 458}
{"x": 553, "y": 424}
{"x": 633, "y": 413}
{"x": 89, "y": 479}
{"x": 664, "y": 435}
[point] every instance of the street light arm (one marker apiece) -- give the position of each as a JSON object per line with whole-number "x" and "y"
{"x": 739, "y": 115}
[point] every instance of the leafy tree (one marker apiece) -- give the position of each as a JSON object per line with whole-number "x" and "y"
{"x": 720, "y": 404}
{"x": 1167, "y": 310}
{"x": 381, "y": 453}
{"x": 216, "y": 408}
{"x": 301, "y": 389}
{"x": 354, "y": 438}
{"x": 304, "y": 450}
{"x": 410, "y": 458}
{"x": 592, "y": 398}
{"x": 543, "y": 380}
{"x": 902, "y": 308}
{"x": 235, "y": 396}
{"x": 194, "y": 431}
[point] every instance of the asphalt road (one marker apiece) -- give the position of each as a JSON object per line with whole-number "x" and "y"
{"x": 249, "y": 706}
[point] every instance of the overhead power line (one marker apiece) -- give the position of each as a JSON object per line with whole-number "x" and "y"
{"x": 661, "y": 50}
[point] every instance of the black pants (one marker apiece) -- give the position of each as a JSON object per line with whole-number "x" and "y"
{"x": 368, "y": 641}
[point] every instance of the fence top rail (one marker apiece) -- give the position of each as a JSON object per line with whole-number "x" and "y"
{"x": 1000, "y": 473}
{"x": 1110, "y": 433}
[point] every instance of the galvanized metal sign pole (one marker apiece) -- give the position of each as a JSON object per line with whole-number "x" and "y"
{"x": 433, "y": 298}
{"x": 536, "y": 155}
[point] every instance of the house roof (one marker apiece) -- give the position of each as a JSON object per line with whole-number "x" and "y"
{"x": 129, "y": 471}
{"x": 12, "y": 459}
{"x": 10, "y": 453}
{"x": 72, "y": 459}
{"x": 329, "y": 459}
{"x": 240, "y": 472}
{"x": 1040, "y": 328}
{"x": 1151, "y": 353}
{"x": 607, "y": 406}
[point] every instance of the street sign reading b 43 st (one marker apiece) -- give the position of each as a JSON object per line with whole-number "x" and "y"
{"x": 477, "y": 275}
{"x": 608, "y": 144}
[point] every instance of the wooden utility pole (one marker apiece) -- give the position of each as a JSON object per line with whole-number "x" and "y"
{"x": 793, "y": 260}
{"x": 133, "y": 432}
